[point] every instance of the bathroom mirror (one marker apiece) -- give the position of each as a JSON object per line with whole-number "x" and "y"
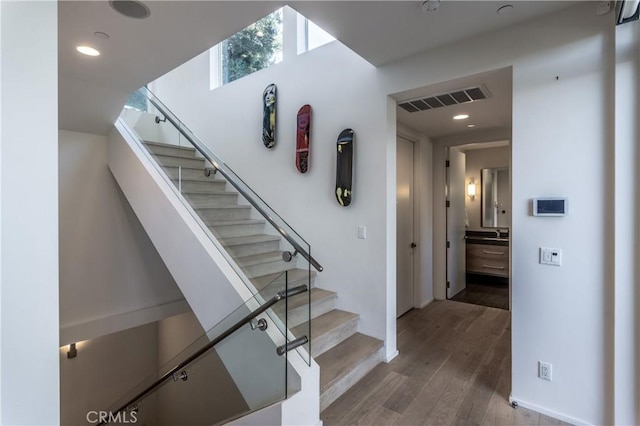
{"x": 496, "y": 198}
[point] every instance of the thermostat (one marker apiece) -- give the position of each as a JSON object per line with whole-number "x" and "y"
{"x": 550, "y": 206}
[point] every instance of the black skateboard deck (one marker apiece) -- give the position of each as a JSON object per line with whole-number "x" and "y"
{"x": 269, "y": 116}
{"x": 344, "y": 167}
{"x": 302, "y": 138}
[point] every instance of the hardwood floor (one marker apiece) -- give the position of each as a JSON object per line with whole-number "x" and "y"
{"x": 485, "y": 292}
{"x": 453, "y": 369}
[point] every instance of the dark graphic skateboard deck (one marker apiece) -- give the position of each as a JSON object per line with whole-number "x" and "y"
{"x": 302, "y": 138}
{"x": 344, "y": 167}
{"x": 269, "y": 116}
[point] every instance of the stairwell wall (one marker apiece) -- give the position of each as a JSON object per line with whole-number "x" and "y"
{"x": 111, "y": 276}
{"x": 343, "y": 92}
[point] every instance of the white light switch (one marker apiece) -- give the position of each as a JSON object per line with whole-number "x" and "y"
{"x": 362, "y": 232}
{"x": 550, "y": 256}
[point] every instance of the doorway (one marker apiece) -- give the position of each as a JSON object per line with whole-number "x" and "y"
{"x": 405, "y": 239}
{"x": 478, "y": 223}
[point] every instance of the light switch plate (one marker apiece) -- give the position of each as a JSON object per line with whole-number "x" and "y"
{"x": 550, "y": 256}
{"x": 362, "y": 232}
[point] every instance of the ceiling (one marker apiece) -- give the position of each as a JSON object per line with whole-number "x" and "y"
{"x": 93, "y": 90}
{"x": 491, "y": 115}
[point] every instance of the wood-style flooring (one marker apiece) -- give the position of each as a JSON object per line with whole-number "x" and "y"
{"x": 453, "y": 369}
{"x": 493, "y": 294}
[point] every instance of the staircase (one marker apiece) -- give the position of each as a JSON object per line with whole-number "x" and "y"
{"x": 343, "y": 354}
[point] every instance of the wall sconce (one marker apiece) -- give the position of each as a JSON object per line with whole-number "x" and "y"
{"x": 73, "y": 352}
{"x": 471, "y": 190}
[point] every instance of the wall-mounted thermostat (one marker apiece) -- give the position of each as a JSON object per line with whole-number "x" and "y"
{"x": 550, "y": 206}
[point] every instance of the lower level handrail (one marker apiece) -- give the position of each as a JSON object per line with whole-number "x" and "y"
{"x": 283, "y": 294}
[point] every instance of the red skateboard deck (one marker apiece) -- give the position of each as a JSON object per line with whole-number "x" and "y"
{"x": 302, "y": 138}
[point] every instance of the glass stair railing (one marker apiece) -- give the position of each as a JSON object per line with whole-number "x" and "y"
{"x": 237, "y": 367}
{"x": 252, "y": 237}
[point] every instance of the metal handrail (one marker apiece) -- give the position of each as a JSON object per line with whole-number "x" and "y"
{"x": 208, "y": 155}
{"x": 283, "y": 294}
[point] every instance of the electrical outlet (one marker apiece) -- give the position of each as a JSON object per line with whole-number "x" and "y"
{"x": 544, "y": 370}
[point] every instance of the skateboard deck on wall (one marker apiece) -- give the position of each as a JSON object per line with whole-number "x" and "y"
{"x": 302, "y": 138}
{"x": 269, "y": 116}
{"x": 344, "y": 167}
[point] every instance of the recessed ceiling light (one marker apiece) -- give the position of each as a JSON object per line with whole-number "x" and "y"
{"x": 461, "y": 117}
{"x": 471, "y": 125}
{"x": 87, "y": 50}
{"x": 131, "y": 8}
{"x": 505, "y": 10}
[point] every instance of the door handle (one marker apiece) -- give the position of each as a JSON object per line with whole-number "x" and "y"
{"x": 414, "y": 245}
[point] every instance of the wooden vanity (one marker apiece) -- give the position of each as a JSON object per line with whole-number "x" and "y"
{"x": 488, "y": 253}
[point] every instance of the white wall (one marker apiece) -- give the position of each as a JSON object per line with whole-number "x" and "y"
{"x": 478, "y": 159}
{"x": 111, "y": 276}
{"x": 106, "y": 369}
{"x": 29, "y": 382}
{"x": 229, "y": 120}
{"x": 553, "y": 153}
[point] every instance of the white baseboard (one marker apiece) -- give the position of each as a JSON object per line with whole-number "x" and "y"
{"x": 389, "y": 358}
{"x": 425, "y": 303}
{"x": 549, "y": 413}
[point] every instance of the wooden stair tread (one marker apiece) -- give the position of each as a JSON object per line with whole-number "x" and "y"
{"x": 230, "y": 207}
{"x": 317, "y": 295}
{"x": 325, "y": 323}
{"x": 168, "y": 145}
{"x": 249, "y": 239}
{"x": 342, "y": 358}
{"x": 257, "y": 259}
{"x": 236, "y": 222}
{"x": 293, "y": 275}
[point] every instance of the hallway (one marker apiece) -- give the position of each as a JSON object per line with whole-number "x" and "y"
{"x": 453, "y": 369}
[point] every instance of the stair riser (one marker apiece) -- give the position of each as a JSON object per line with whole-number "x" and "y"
{"x": 197, "y": 174}
{"x": 250, "y": 249}
{"x": 323, "y": 343}
{"x": 180, "y": 162}
{"x": 213, "y": 215}
{"x": 227, "y": 231}
{"x": 171, "y": 150}
{"x": 299, "y": 315}
{"x": 211, "y": 200}
{"x": 200, "y": 187}
{"x": 264, "y": 268}
{"x": 346, "y": 382}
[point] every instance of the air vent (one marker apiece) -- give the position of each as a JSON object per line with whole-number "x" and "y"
{"x": 446, "y": 99}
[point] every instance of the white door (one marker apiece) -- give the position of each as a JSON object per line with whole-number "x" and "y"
{"x": 404, "y": 226}
{"x": 456, "y": 223}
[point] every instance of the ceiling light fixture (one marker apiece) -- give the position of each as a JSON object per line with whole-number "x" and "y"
{"x": 461, "y": 117}
{"x": 101, "y": 35}
{"x": 430, "y": 5}
{"x": 88, "y": 50}
{"x": 131, "y": 8}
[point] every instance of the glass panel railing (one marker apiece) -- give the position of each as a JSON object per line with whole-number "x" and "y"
{"x": 254, "y": 239}
{"x": 233, "y": 369}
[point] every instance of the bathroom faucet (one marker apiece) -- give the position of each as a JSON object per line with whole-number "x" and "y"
{"x": 497, "y": 233}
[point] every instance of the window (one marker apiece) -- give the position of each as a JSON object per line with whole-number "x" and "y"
{"x": 137, "y": 100}
{"x": 310, "y": 35}
{"x": 261, "y": 44}
{"x": 252, "y": 49}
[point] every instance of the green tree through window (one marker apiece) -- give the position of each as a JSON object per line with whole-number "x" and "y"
{"x": 252, "y": 49}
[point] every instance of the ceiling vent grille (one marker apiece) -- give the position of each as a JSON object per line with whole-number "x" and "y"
{"x": 446, "y": 99}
